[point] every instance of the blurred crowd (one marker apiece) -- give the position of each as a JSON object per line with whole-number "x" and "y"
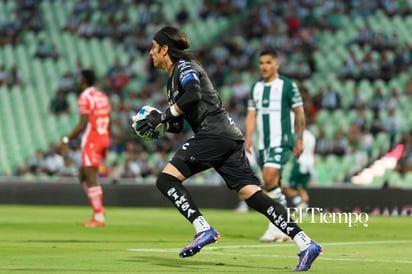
{"x": 9, "y": 77}
{"x": 27, "y": 17}
{"x": 292, "y": 27}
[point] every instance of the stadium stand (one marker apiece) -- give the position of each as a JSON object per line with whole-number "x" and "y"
{"x": 326, "y": 47}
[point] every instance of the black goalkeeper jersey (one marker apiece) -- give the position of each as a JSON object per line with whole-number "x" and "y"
{"x": 208, "y": 115}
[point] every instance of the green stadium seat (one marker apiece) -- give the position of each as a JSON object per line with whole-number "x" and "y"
{"x": 226, "y": 94}
{"x": 111, "y": 157}
{"x": 407, "y": 182}
{"x": 394, "y": 178}
{"x": 322, "y": 117}
{"x": 378, "y": 181}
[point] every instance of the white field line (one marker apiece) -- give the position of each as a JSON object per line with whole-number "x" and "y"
{"x": 206, "y": 249}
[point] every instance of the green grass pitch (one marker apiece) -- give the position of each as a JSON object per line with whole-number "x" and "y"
{"x": 49, "y": 239}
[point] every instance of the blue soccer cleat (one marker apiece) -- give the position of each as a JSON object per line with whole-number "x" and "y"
{"x": 307, "y": 256}
{"x": 201, "y": 239}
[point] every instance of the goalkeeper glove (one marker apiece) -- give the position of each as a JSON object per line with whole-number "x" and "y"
{"x": 153, "y": 120}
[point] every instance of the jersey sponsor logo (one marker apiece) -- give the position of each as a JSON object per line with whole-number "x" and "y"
{"x": 280, "y": 221}
{"x": 181, "y": 202}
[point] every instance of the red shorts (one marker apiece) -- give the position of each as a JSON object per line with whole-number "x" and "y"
{"x": 93, "y": 153}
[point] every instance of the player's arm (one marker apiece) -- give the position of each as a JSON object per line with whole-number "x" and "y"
{"x": 81, "y": 126}
{"x": 299, "y": 128}
{"x": 189, "y": 98}
{"x": 109, "y": 128}
{"x": 191, "y": 95}
{"x": 250, "y": 124}
{"x": 189, "y": 80}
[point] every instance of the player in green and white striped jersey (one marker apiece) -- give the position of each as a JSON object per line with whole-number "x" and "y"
{"x": 275, "y": 109}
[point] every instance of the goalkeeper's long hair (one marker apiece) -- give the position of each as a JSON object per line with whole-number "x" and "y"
{"x": 178, "y": 42}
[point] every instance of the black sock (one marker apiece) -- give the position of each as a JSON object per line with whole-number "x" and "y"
{"x": 173, "y": 189}
{"x": 275, "y": 212}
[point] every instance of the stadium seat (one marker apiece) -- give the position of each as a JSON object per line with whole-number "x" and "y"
{"x": 407, "y": 182}
{"x": 378, "y": 181}
{"x": 394, "y": 179}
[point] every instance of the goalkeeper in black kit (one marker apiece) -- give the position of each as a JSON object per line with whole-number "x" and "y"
{"x": 217, "y": 143}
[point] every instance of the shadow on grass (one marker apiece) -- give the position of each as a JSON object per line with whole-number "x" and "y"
{"x": 91, "y": 241}
{"x": 51, "y": 270}
{"x": 191, "y": 265}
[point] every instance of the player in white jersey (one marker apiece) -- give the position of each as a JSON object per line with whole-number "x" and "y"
{"x": 301, "y": 172}
{"x": 275, "y": 109}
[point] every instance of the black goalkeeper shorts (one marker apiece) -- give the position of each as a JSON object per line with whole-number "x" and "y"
{"x": 225, "y": 155}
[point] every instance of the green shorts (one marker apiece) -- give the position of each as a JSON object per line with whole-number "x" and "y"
{"x": 276, "y": 157}
{"x": 298, "y": 178}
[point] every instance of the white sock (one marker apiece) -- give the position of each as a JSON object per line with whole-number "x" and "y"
{"x": 99, "y": 217}
{"x": 302, "y": 240}
{"x": 296, "y": 200}
{"x": 200, "y": 224}
{"x": 275, "y": 193}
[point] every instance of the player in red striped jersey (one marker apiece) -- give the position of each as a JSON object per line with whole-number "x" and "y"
{"x": 94, "y": 123}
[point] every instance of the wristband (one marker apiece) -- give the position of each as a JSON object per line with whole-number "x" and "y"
{"x": 173, "y": 111}
{"x": 168, "y": 114}
{"x": 65, "y": 140}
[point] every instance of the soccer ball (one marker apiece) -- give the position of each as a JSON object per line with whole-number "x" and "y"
{"x": 149, "y": 135}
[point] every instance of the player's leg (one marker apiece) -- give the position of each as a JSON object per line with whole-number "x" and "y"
{"x": 239, "y": 176}
{"x": 82, "y": 180}
{"x": 190, "y": 159}
{"x": 253, "y": 162}
{"x": 169, "y": 182}
{"x": 91, "y": 160}
{"x": 95, "y": 196}
{"x": 271, "y": 177}
{"x": 277, "y": 215}
{"x": 299, "y": 182}
{"x": 291, "y": 191}
{"x": 303, "y": 193}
